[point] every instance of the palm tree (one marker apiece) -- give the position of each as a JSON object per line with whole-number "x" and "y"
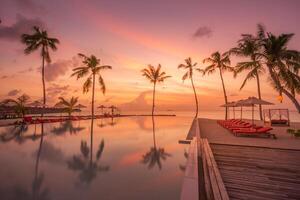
{"x": 190, "y": 67}
{"x": 69, "y": 106}
{"x": 154, "y": 75}
{"x": 282, "y": 63}
{"x": 40, "y": 39}
{"x": 91, "y": 68}
{"x": 222, "y": 63}
{"x": 250, "y": 46}
{"x": 19, "y": 104}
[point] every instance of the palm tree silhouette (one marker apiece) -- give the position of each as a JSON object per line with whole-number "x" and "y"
{"x": 40, "y": 39}
{"x": 68, "y": 105}
{"x": 250, "y": 46}
{"x": 91, "y": 68}
{"x": 220, "y": 62}
{"x": 154, "y": 75}
{"x": 282, "y": 64}
{"x": 190, "y": 67}
{"x": 181, "y": 166}
{"x": 156, "y": 155}
{"x": 84, "y": 162}
{"x": 66, "y": 126}
{"x": 19, "y": 104}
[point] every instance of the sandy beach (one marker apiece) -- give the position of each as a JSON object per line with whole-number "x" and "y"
{"x": 216, "y": 134}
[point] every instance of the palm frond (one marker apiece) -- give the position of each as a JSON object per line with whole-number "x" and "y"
{"x": 87, "y": 85}
{"x": 102, "y": 84}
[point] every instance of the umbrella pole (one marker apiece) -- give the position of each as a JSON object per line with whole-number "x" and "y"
{"x": 241, "y": 112}
{"x": 233, "y": 113}
{"x": 252, "y": 114}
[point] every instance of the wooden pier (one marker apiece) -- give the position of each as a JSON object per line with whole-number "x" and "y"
{"x": 259, "y": 173}
{"x": 231, "y": 171}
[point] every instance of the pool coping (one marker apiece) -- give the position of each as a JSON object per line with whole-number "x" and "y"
{"x": 190, "y": 185}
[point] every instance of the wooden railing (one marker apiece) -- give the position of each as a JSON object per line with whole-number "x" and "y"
{"x": 202, "y": 177}
{"x": 211, "y": 184}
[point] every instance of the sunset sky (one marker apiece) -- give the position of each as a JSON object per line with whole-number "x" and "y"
{"x": 129, "y": 35}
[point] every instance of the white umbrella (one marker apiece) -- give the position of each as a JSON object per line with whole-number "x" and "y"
{"x": 80, "y": 106}
{"x": 230, "y": 104}
{"x": 35, "y": 104}
{"x": 252, "y": 101}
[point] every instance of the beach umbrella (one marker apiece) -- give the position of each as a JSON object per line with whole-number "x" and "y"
{"x": 102, "y": 108}
{"x": 252, "y": 101}
{"x": 59, "y": 105}
{"x": 113, "y": 108}
{"x": 230, "y": 104}
{"x": 79, "y": 106}
{"x": 8, "y": 103}
{"x": 35, "y": 104}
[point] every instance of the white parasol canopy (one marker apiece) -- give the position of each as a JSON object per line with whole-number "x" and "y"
{"x": 35, "y": 104}
{"x": 80, "y": 106}
{"x": 252, "y": 101}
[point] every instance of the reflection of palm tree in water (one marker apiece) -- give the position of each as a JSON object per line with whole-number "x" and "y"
{"x": 84, "y": 163}
{"x": 113, "y": 122}
{"x": 66, "y": 126}
{"x": 155, "y": 155}
{"x": 17, "y": 133}
{"x": 101, "y": 125}
{"x": 183, "y": 167}
{"x": 37, "y": 192}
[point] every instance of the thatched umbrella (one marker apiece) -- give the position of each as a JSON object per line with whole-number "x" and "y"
{"x": 102, "y": 108}
{"x": 59, "y": 105}
{"x": 252, "y": 101}
{"x": 35, "y": 104}
{"x": 230, "y": 104}
{"x": 113, "y": 108}
{"x": 80, "y": 106}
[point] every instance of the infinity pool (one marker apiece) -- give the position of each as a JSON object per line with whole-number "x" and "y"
{"x": 121, "y": 158}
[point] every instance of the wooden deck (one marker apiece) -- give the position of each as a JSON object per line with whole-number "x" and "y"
{"x": 258, "y": 173}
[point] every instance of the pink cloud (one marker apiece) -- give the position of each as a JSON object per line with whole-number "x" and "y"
{"x": 59, "y": 68}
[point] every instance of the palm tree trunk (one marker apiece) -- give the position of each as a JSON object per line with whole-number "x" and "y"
{"x": 92, "y": 132}
{"x": 93, "y": 96}
{"x": 153, "y": 130}
{"x": 153, "y": 98}
{"x": 196, "y": 99}
{"x": 280, "y": 88}
{"x": 225, "y": 96}
{"x": 92, "y": 121}
{"x": 259, "y": 95}
{"x": 44, "y": 85}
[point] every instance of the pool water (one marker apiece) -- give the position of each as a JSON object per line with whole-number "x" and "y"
{"x": 120, "y": 158}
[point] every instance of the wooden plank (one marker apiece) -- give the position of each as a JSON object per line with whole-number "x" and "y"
{"x": 208, "y": 189}
{"x": 212, "y": 176}
{"x": 259, "y": 173}
{"x": 218, "y": 177}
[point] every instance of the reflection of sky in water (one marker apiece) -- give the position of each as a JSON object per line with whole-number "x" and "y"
{"x": 122, "y": 164}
